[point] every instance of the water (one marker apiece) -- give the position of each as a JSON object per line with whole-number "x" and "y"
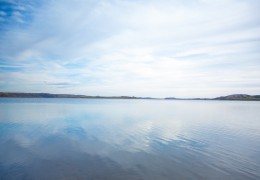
{"x": 128, "y": 139}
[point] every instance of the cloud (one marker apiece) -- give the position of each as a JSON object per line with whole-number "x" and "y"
{"x": 166, "y": 48}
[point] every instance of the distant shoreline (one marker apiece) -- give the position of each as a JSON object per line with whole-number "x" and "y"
{"x": 234, "y": 97}
{"x": 48, "y": 95}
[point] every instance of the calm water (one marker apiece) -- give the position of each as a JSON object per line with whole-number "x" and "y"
{"x": 129, "y": 139}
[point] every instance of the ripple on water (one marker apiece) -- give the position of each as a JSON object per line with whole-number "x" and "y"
{"x": 137, "y": 140}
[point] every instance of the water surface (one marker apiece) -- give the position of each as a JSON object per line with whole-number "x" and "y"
{"x": 128, "y": 139}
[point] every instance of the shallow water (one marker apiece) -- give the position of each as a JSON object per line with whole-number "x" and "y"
{"x": 128, "y": 139}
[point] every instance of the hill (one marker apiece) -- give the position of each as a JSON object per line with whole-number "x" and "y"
{"x": 244, "y": 97}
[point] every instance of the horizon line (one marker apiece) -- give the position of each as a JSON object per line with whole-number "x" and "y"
{"x": 122, "y": 96}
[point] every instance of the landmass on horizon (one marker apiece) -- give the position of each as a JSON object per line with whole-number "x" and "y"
{"x": 244, "y": 97}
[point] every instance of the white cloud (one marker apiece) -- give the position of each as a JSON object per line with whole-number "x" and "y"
{"x": 166, "y": 48}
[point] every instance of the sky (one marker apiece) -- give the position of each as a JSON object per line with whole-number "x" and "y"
{"x": 166, "y": 48}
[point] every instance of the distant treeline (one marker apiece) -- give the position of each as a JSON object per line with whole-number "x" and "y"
{"x": 47, "y": 95}
{"x": 242, "y": 97}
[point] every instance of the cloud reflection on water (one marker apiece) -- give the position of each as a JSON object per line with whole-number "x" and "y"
{"x": 131, "y": 139}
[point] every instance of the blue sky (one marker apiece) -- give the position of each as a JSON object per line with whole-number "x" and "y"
{"x": 189, "y": 48}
